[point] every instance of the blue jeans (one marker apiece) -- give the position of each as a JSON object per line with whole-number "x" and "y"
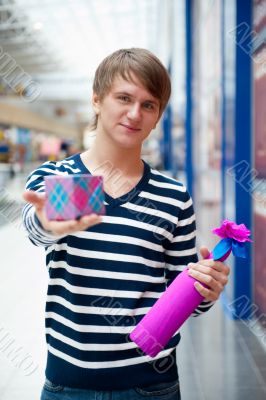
{"x": 159, "y": 391}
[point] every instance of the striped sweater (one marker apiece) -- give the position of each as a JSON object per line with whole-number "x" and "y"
{"x": 103, "y": 280}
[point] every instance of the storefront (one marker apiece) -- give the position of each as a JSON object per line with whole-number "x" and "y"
{"x": 219, "y": 82}
{"x": 259, "y": 181}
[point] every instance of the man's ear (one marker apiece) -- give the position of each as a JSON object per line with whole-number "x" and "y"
{"x": 96, "y": 103}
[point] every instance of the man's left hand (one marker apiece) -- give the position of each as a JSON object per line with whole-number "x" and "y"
{"x": 213, "y": 274}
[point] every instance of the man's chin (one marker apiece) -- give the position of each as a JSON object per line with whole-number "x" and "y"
{"x": 128, "y": 143}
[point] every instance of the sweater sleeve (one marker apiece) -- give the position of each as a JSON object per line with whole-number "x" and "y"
{"x": 181, "y": 249}
{"x": 36, "y": 233}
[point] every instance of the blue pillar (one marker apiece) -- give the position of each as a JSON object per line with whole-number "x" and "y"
{"x": 223, "y": 111}
{"x": 189, "y": 77}
{"x": 167, "y": 139}
{"x": 243, "y": 145}
{"x": 167, "y": 142}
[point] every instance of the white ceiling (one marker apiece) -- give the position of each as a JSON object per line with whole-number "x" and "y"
{"x": 64, "y": 40}
{"x": 61, "y": 42}
{"x": 79, "y": 33}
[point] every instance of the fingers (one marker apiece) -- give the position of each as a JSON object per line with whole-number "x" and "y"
{"x": 212, "y": 280}
{"x": 71, "y": 226}
{"x": 214, "y": 265}
{"x": 210, "y": 267}
{"x": 92, "y": 219}
{"x": 59, "y": 227}
{"x": 213, "y": 274}
{"x": 86, "y": 222}
{"x": 208, "y": 294}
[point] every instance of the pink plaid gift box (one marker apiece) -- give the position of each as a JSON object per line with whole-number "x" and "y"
{"x": 72, "y": 196}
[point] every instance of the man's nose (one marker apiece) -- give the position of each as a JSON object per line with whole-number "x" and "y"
{"x": 134, "y": 112}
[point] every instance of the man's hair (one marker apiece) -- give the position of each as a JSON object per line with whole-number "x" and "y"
{"x": 125, "y": 63}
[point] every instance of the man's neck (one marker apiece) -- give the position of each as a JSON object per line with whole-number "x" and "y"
{"x": 127, "y": 161}
{"x": 120, "y": 174}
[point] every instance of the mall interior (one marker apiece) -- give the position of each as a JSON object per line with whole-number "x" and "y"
{"x": 211, "y": 137}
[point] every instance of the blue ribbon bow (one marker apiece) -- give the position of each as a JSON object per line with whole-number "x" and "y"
{"x": 226, "y": 244}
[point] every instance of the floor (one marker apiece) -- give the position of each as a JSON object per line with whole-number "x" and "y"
{"x": 221, "y": 359}
{"x": 218, "y": 358}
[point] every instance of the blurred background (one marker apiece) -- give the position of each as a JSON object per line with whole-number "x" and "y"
{"x": 212, "y": 137}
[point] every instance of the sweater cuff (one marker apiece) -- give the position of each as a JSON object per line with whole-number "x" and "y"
{"x": 204, "y": 306}
{"x": 44, "y": 232}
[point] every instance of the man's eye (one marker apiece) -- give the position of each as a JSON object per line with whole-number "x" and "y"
{"x": 124, "y": 98}
{"x": 149, "y": 106}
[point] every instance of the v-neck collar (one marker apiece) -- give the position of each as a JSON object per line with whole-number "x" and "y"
{"x": 125, "y": 197}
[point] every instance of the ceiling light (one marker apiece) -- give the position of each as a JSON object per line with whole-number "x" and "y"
{"x": 37, "y": 26}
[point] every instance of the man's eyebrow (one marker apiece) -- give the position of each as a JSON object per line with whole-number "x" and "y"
{"x": 156, "y": 102}
{"x": 124, "y": 92}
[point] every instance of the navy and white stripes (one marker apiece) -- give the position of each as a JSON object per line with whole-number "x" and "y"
{"x": 103, "y": 280}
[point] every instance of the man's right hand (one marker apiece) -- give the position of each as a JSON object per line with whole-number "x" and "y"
{"x": 58, "y": 227}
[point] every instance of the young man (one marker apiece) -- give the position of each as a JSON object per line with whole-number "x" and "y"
{"x": 105, "y": 273}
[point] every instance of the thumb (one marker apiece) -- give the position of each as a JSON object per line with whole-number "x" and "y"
{"x": 204, "y": 252}
{"x": 36, "y": 199}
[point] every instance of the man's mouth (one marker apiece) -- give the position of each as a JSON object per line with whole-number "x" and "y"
{"x": 130, "y": 127}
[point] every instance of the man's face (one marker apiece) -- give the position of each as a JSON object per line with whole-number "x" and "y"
{"x": 128, "y": 113}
